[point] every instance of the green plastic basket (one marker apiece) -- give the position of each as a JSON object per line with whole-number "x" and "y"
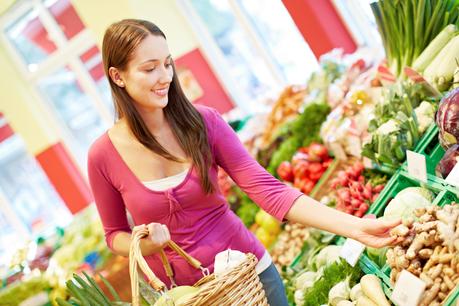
{"x": 443, "y": 196}
{"x": 430, "y": 148}
{"x": 397, "y": 183}
{"x": 453, "y": 298}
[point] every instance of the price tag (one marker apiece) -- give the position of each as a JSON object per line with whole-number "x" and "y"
{"x": 453, "y": 176}
{"x": 351, "y": 251}
{"x": 408, "y": 289}
{"x": 417, "y": 165}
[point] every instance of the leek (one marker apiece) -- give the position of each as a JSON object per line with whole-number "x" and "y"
{"x": 434, "y": 48}
{"x": 407, "y": 27}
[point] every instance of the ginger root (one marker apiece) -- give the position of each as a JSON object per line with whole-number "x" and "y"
{"x": 425, "y": 253}
{"x": 400, "y": 231}
{"x": 430, "y": 295}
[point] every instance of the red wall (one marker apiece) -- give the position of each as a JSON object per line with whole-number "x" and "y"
{"x": 65, "y": 177}
{"x": 320, "y": 25}
{"x": 214, "y": 94}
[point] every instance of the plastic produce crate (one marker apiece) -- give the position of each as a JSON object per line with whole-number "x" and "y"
{"x": 433, "y": 152}
{"x": 443, "y": 196}
{"x": 397, "y": 183}
{"x": 453, "y": 298}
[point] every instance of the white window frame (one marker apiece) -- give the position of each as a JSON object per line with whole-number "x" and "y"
{"x": 354, "y": 18}
{"x": 68, "y": 53}
{"x": 219, "y": 63}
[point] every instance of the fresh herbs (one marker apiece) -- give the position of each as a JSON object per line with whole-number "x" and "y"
{"x": 332, "y": 274}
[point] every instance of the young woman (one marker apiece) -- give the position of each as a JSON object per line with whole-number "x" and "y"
{"x": 159, "y": 162}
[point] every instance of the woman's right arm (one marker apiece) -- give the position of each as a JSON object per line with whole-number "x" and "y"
{"x": 112, "y": 210}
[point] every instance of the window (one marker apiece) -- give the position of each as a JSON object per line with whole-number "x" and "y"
{"x": 255, "y": 49}
{"x": 359, "y": 18}
{"x": 59, "y": 57}
{"x": 29, "y": 205}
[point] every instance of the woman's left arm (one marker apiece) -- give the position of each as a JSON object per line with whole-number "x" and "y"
{"x": 282, "y": 201}
{"x": 371, "y": 232}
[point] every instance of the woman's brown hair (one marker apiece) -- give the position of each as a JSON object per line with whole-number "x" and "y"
{"x": 120, "y": 41}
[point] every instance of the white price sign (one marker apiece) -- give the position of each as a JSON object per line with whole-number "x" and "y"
{"x": 408, "y": 289}
{"x": 351, "y": 251}
{"x": 417, "y": 165}
{"x": 453, "y": 176}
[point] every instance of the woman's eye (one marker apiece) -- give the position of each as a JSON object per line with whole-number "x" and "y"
{"x": 150, "y": 70}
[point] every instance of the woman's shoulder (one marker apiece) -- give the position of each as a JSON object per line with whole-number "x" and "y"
{"x": 206, "y": 111}
{"x": 98, "y": 149}
{"x": 211, "y": 115}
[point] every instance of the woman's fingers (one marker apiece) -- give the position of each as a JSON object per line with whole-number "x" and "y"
{"x": 159, "y": 234}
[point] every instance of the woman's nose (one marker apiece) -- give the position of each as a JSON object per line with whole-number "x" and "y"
{"x": 166, "y": 75}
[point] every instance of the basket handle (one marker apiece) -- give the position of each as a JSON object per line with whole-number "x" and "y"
{"x": 136, "y": 260}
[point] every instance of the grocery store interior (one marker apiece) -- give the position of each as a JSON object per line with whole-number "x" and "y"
{"x": 350, "y": 102}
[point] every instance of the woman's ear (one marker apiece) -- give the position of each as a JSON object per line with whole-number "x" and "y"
{"x": 116, "y": 76}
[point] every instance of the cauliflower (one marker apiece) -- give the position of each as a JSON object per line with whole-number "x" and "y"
{"x": 425, "y": 114}
{"x": 388, "y": 127}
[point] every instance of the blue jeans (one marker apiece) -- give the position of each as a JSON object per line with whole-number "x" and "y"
{"x": 273, "y": 286}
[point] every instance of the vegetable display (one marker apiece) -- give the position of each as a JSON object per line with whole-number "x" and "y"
{"x": 448, "y": 161}
{"x": 306, "y": 168}
{"x": 302, "y": 132}
{"x": 407, "y": 27}
{"x": 353, "y": 192}
{"x": 429, "y": 250}
{"x": 268, "y": 228}
{"x": 289, "y": 244}
{"x": 433, "y": 49}
{"x": 440, "y": 72}
{"x": 402, "y": 206}
{"x": 368, "y": 292}
{"x": 396, "y": 128}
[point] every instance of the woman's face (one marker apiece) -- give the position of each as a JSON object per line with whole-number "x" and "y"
{"x": 149, "y": 74}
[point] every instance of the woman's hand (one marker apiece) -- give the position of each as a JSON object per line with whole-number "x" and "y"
{"x": 158, "y": 237}
{"x": 158, "y": 234}
{"x": 371, "y": 232}
{"x": 375, "y": 232}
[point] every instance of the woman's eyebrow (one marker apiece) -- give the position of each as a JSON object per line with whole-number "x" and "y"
{"x": 156, "y": 60}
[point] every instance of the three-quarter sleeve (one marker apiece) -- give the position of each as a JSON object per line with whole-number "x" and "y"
{"x": 108, "y": 200}
{"x": 269, "y": 193}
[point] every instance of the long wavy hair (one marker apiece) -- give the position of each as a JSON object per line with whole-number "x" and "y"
{"x": 120, "y": 41}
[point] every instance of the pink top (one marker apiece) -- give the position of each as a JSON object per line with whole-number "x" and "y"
{"x": 203, "y": 225}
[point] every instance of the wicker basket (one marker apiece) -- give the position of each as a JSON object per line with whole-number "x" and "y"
{"x": 238, "y": 286}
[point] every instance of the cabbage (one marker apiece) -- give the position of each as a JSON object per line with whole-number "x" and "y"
{"x": 406, "y": 201}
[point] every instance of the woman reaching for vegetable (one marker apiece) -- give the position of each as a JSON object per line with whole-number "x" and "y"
{"x": 159, "y": 162}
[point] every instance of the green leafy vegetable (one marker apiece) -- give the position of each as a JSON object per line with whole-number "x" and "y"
{"x": 332, "y": 275}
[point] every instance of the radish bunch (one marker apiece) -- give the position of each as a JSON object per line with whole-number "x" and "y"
{"x": 353, "y": 194}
